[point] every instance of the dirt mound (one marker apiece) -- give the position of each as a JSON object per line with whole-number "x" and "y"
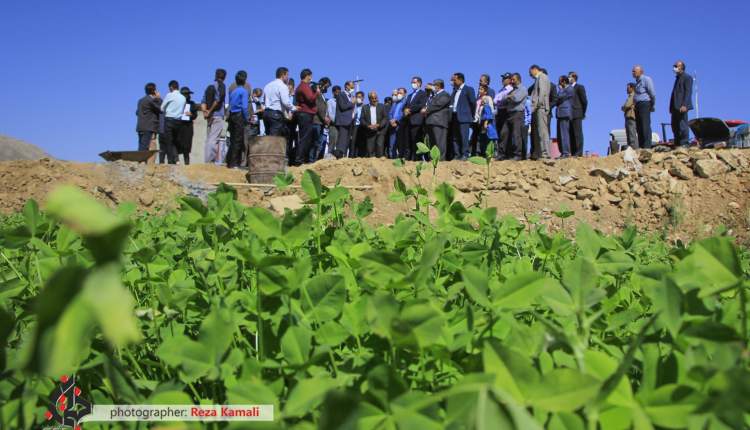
{"x": 14, "y": 149}
{"x": 687, "y": 194}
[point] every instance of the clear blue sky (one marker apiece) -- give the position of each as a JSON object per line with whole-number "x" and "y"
{"x": 72, "y": 72}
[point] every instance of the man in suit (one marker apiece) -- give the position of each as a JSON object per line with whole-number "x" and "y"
{"x": 344, "y": 119}
{"x": 414, "y": 132}
{"x": 148, "y": 112}
{"x": 680, "y": 103}
{"x": 373, "y": 123}
{"x": 437, "y": 115}
{"x": 580, "y": 105}
{"x": 464, "y": 103}
{"x": 540, "y": 113}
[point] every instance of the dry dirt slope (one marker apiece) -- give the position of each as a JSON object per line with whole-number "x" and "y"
{"x": 689, "y": 193}
{"x": 14, "y": 149}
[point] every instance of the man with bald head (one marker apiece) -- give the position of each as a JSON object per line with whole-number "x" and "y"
{"x": 680, "y": 103}
{"x": 645, "y": 101}
{"x": 374, "y": 121}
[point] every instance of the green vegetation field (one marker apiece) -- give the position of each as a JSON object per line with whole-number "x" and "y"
{"x": 451, "y": 317}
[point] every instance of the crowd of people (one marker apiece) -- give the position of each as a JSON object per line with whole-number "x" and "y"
{"x": 350, "y": 123}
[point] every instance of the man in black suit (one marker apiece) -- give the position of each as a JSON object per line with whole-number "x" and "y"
{"x": 414, "y": 132}
{"x": 148, "y": 112}
{"x": 437, "y": 115}
{"x": 373, "y": 122}
{"x": 580, "y": 105}
{"x": 344, "y": 118}
{"x": 464, "y": 104}
{"x": 680, "y": 103}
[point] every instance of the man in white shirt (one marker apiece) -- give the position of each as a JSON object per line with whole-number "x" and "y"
{"x": 278, "y": 103}
{"x": 173, "y": 107}
{"x": 374, "y": 121}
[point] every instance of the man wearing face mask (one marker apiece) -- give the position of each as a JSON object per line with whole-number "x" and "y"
{"x": 680, "y": 103}
{"x": 278, "y": 104}
{"x": 356, "y": 149}
{"x": 464, "y": 104}
{"x": 344, "y": 119}
{"x": 438, "y": 116}
{"x": 395, "y": 128}
{"x": 413, "y": 119}
{"x": 257, "y": 116}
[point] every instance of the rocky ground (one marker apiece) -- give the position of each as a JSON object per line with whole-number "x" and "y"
{"x": 684, "y": 193}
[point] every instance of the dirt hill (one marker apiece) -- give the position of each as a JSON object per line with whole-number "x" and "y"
{"x": 14, "y": 149}
{"x": 686, "y": 194}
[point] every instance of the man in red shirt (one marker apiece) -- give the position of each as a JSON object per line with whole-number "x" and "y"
{"x": 305, "y": 99}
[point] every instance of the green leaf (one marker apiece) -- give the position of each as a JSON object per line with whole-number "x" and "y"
{"x": 325, "y": 295}
{"x": 478, "y": 160}
{"x": 711, "y": 331}
{"x": 422, "y": 148}
{"x": 476, "y": 285}
{"x": 307, "y": 395}
{"x": 263, "y": 223}
{"x": 32, "y": 216}
{"x": 520, "y": 291}
{"x": 311, "y": 185}
{"x": 514, "y": 373}
{"x": 712, "y": 265}
{"x": 295, "y": 345}
{"x": 103, "y": 231}
{"x": 283, "y": 180}
{"x": 563, "y": 390}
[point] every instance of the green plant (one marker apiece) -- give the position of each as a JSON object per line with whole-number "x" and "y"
{"x": 468, "y": 320}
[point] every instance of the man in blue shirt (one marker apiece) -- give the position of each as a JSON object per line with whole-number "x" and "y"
{"x": 396, "y": 113}
{"x": 645, "y": 100}
{"x": 173, "y": 107}
{"x": 238, "y": 117}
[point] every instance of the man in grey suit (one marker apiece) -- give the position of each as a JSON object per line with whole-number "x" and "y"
{"x": 540, "y": 113}
{"x": 374, "y": 121}
{"x": 438, "y": 117}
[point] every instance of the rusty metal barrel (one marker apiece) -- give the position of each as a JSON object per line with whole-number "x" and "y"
{"x": 266, "y": 157}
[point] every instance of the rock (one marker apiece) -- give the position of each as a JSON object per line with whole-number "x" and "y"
{"x": 146, "y": 198}
{"x": 566, "y": 179}
{"x": 357, "y": 171}
{"x": 584, "y": 194}
{"x": 374, "y": 173}
{"x": 536, "y": 196}
{"x": 707, "y": 168}
{"x": 729, "y": 158}
{"x": 733, "y": 205}
{"x": 607, "y": 174}
{"x": 612, "y": 198}
{"x": 598, "y": 203}
{"x": 656, "y": 188}
{"x": 548, "y": 162}
{"x": 680, "y": 170}
{"x": 557, "y": 188}
{"x": 525, "y": 186}
{"x": 644, "y": 155}
{"x": 587, "y": 205}
{"x": 291, "y": 202}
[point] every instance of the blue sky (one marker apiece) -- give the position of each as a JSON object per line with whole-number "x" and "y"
{"x": 72, "y": 72}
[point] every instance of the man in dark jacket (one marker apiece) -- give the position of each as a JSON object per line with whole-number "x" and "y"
{"x": 414, "y": 121}
{"x": 344, "y": 119}
{"x": 580, "y": 105}
{"x": 437, "y": 115}
{"x": 373, "y": 123}
{"x": 680, "y": 103}
{"x": 148, "y": 112}
{"x": 320, "y": 120}
{"x": 464, "y": 104}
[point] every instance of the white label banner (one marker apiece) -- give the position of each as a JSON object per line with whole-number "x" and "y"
{"x": 110, "y": 413}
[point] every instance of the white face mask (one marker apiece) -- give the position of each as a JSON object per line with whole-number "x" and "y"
{"x": 399, "y": 97}
{"x": 676, "y": 70}
{"x": 359, "y": 101}
{"x": 415, "y": 86}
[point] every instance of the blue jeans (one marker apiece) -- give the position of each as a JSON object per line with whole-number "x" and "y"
{"x": 564, "y": 136}
{"x": 391, "y": 151}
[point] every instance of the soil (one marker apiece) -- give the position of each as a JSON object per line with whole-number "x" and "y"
{"x": 686, "y": 194}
